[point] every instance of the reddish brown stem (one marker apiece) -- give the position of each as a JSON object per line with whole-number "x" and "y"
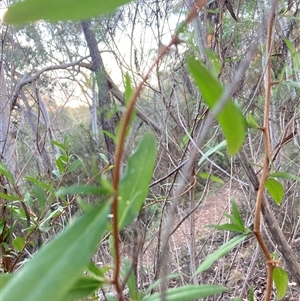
{"x": 121, "y": 138}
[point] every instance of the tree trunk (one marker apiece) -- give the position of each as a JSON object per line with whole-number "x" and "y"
{"x": 104, "y": 99}
{"x": 8, "y": 153}
{"x": 7, "y": 157}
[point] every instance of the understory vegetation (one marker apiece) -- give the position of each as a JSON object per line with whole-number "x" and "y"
{"x": 149, "y": 150}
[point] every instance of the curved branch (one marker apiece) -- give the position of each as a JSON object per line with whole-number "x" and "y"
{"x": 27, "y": 79}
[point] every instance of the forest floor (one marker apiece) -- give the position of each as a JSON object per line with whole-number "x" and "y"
{"x": 244, "y": 267}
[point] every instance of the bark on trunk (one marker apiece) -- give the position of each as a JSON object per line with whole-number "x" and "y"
{"x": 8, "y": 157}
{"x": 8, "y": 153}
{"x": 103, "y": 87}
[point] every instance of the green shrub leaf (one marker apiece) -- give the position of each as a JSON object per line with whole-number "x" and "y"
{"x": 237, "y": 215}
{"x": 188, "y": 292}
{"x": 18, "y": 243}
{"x": 294, "y": 53}
{"x": 56, "y": 268}
{"x": 280, "y": 278}
{"x": 4, "y": 279}
{"x": 83, "y": 287}
{"x": 212, "y": 151}
{"x": 222, "y": 251}
{"x": 275, "y": 190}
{"x": 56, "y": 10}
{"x": 231, "y": 119}
{"x": 131, "y": 279}
{"x": 134, "y": 185}
{"x": 9, "y": 197}
{"x": 4, "y": 171}
{"x": 284, "y": 175}
{"x": 205, "y": 175}
{"x": 227, "y": 227}
{"x": 84, "y": 189}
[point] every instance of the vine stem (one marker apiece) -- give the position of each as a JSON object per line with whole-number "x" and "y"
{"x": 266, "y": 134}
{"x": 121, "y": 139}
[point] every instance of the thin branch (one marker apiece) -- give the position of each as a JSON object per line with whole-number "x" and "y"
{"x": 26, "y": 79}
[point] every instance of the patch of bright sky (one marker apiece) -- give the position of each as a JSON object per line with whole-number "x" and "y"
{"x": 142, "y": 38}
{"x": 3, "y": 9}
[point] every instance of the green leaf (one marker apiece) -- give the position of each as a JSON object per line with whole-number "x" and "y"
{"x": 211, "y": 177}
{"x": 56, "y": 10}
{"x": 212, "y": 151}
{"x": 290, "y": 83}
{"x": 110, "y": 135}
{"x": 128, "y": 88}
{"x": 181, "y": 28}
{"x": 60, "y": 165}
{"x": 83, "y": 287}
{"x": 281, "y": 278}
{"x": 85, "y": 189}
{"x": 251, "y": 294}
{"x": 215, "y": 61}
{"x": 185, "y": 139}
{"x": 134, "y": 185}
{"x": 232, "y": 218}
{"x": 18, "y": 243}
{"x": 2, "y": 224}
{"x": 222, "y": 251}
{"x": 294, "y": 54}
{"x": 128, "y": 93}
{"x": 131, "y": 280}
{"x": 227, "y": 227}
{"x": 4, "y": 278}
{"x": 275, "y": 190}
{"x": 74, "y": 165}
{"x": 231, "y": 119}
{"x": 159, "y": 281}
{"x": 56, "y": 268}
{"x": 99, "y": 273}
{"x": 63, "y": 148}
{"x": 40, "y": 194}
{"x": 284, "y": 175}
{"x": 104, "y": 158}
{"x": 251, "y": 121}
{"x": 43, "y": 185}
{"x": 9, "y": 197}
{"x": 237, "y": 215}
{"x": 7, "y": 174}
{"x": 188, "y": 292}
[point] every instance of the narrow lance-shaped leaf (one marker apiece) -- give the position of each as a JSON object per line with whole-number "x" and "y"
{"x": 4, "y": 171}
{"x": 212, "y": 151}
{"x": 52, "y": 273}
{"x": 294, "y": 53}
{"x": 284, "y": 175}
{"x": 188, "y": 292}
{"x": 84, "y": 189}
{"x": 231, "y": 119}
{"x": 222, "y": 251}
{"x": 131, "y": 280}
{"x": 236, "y": 214}
{"x": 127, "y": 96}
{"x": 83, "y": 287}
{"x": 134, "y": 185}
{"x": 58, "y": 10}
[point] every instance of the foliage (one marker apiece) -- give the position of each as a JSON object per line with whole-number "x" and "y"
{"x": 32, "y": 10}
{"x": 83, "y": 180}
